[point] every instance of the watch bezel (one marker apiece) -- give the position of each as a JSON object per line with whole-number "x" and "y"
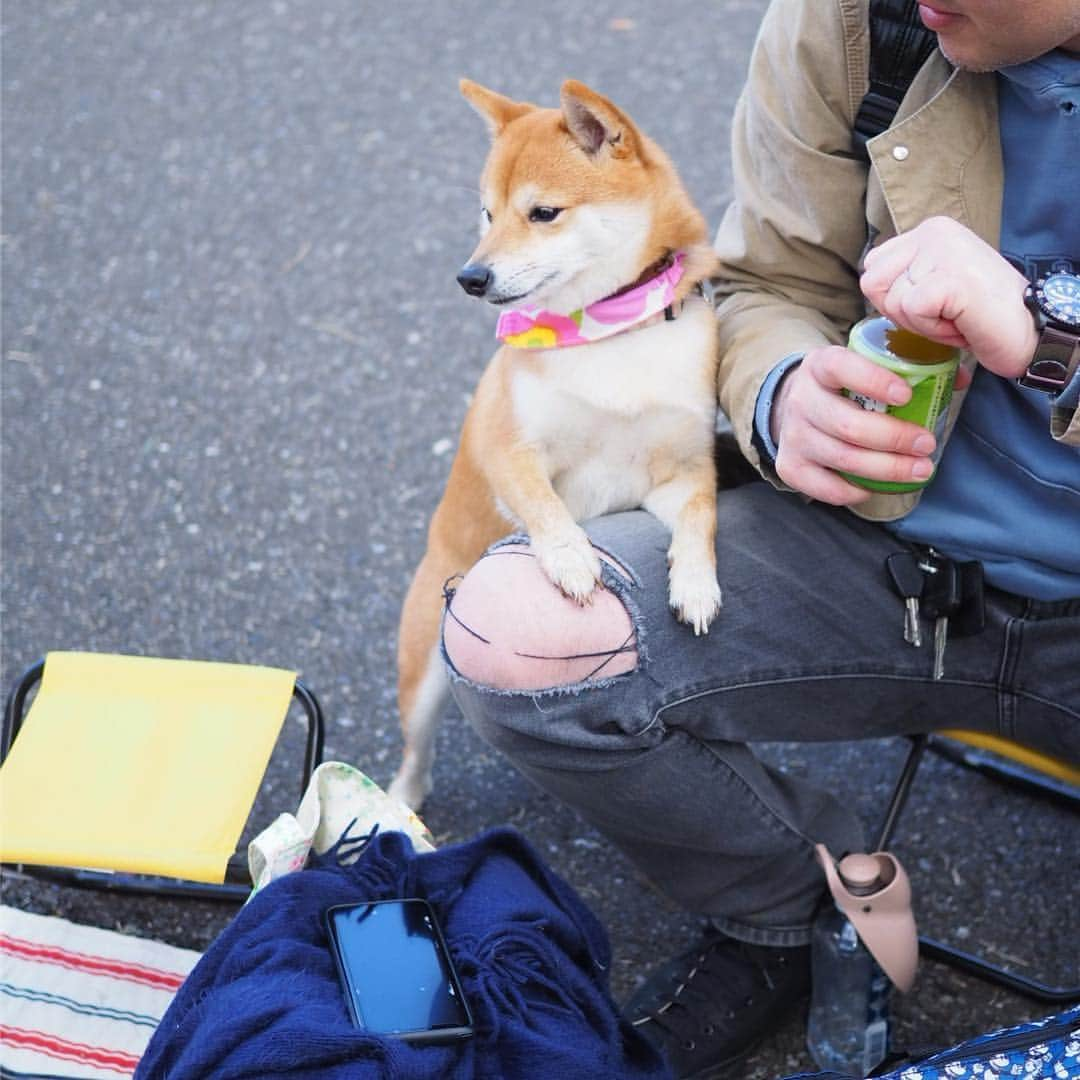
{"x": 1033, "y": 303}
{"x": 1046, "y": 307}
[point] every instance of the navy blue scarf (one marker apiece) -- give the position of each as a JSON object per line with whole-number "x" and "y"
{"x": 265, "y": 1000}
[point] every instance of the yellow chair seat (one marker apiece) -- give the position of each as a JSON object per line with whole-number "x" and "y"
{"x": 138, "y": 764}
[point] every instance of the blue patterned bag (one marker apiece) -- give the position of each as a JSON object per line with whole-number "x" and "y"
{"x": 1047, "y": 1049}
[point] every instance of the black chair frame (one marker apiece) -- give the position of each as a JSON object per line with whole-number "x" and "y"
{"x": 1006, "y": 772}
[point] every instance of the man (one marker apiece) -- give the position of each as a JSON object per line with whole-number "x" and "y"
{"x": 971, "y": 193}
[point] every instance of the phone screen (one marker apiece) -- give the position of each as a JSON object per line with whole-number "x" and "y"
{"x": 395, "y": 969}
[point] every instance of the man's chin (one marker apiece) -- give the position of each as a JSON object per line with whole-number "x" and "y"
{"x": 975, "y": 66}
{"x": 976, "y": 60}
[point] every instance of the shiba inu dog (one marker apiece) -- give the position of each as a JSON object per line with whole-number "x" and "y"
{"x": 602, "y": 397}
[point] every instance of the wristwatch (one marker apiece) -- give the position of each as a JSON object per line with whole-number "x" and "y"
{"x": 1054, "y": 301}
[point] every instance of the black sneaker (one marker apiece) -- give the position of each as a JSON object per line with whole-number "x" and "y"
{"x": 708, "y": 1008}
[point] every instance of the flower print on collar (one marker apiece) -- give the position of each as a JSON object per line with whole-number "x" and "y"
{"x": 537, "y": 328}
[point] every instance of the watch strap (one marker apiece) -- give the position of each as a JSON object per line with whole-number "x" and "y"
{"x": 1055, "y": 362}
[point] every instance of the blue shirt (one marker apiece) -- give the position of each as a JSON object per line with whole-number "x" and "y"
{"x": 1005, "y": 492}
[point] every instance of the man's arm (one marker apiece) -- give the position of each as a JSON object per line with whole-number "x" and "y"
{"x": 790, "y": 245}
{"x": 788, "y": 278}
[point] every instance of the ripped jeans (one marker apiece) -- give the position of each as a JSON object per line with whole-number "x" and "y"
{"x": 808, "y": 646}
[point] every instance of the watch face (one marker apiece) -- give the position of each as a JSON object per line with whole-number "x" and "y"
{"x": 1059, "y": 297}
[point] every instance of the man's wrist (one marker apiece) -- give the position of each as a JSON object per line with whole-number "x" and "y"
{"x": 765, "y": 440}
{"x": 776, "y": 415}
{"x": 1031, "y": 343}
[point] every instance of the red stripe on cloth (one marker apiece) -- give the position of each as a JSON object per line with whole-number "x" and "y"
{"x": 51, "y": 1046}
{"x": 97, "y": 965}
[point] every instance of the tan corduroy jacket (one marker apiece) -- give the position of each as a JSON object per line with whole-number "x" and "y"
{"x": 806, "y": 207}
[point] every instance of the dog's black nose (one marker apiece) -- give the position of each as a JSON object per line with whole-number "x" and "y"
{"x": 474, "y": 279}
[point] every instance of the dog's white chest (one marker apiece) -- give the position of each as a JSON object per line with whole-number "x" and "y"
{"x": 602, "y": 415}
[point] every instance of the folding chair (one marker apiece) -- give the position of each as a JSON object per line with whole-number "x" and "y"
{"x": 1014, "y": 764}
{"x": 139, "y": 773}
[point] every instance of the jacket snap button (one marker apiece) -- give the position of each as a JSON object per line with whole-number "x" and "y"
{"x": 900, "y": 153}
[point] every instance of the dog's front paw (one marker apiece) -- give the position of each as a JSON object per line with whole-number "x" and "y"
{"x": 571, "y": 563}
{"x": 694, "y": 597}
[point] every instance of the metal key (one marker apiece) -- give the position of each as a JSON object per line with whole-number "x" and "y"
{"x": 907, "y": 582}
{"x": 940, "y": 600}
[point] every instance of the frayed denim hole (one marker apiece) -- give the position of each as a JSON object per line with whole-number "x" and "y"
{"x": 506, "y": 541}
{"x": 612, "y": 580}
{"x": 569, "y": 689}
{"x": 616, "y": 583}
{"x": 452, "y": 671}
{"x": 625, "y": 571}
{"x": 621, "y": 567}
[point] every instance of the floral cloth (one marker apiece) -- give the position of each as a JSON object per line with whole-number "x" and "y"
{"x": 338, "y": 798}
{"x": 536, "y": 328}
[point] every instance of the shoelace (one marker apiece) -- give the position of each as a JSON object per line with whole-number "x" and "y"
{"x": 718, "y": 972}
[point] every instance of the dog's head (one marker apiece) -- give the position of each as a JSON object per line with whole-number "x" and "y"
{"x": 576, "y": 203}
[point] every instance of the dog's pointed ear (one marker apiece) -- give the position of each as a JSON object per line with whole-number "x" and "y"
{"x": 595, "y": 123}
{"x": 496, "y": 110}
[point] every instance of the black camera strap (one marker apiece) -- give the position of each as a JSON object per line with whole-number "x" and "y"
{"x": 899, "y": 46}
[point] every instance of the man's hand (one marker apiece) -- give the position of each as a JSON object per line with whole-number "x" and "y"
{"x": 817, "y": 430}
{"x": 940, "y": 280}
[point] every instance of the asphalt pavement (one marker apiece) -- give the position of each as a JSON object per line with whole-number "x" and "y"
{"x": 235, "y": 363}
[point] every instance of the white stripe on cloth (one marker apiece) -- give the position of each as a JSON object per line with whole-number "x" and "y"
{"x": 77, "y": 1001}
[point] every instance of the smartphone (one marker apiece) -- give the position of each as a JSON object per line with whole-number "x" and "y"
{"x": 396, "y": 971}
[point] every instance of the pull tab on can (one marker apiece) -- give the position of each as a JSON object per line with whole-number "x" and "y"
{"x": 874, "y": 894}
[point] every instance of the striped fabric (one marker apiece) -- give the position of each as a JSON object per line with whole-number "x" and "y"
{"x": 76, "y": 1001}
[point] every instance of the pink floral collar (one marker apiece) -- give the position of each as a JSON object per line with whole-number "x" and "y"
{"x": 536, "y": 328}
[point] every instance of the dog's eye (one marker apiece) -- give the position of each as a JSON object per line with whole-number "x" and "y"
{"x": 544, "y": 213}
{"x": 485, "y": 213}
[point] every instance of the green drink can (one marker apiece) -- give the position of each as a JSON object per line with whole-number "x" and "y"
{"x": 927, "y": 367}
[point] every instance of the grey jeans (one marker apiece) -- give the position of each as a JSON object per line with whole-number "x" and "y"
{"x": 808, "y": 646}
